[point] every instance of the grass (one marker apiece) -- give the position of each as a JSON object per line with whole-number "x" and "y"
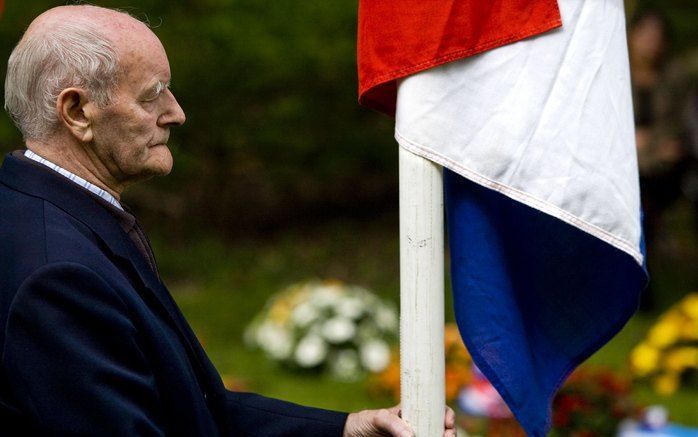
{"x": 220, "y": 287}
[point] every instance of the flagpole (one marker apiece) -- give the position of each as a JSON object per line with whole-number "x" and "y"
{"x": 422, "y": 295}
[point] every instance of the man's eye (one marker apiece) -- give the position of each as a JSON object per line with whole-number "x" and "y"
{"x": 155, "y": 92}
{"x": 152, "y": 95}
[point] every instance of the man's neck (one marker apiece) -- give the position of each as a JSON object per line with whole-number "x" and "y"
{"x": 77, "y": 161}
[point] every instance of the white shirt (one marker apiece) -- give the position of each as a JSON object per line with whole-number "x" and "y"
{"x": 75, "y": 178}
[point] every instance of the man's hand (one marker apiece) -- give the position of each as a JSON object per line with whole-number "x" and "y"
{"x": 388, "y": 422}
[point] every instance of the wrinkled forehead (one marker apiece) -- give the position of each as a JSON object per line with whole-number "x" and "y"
{"x": 143, "y": 58}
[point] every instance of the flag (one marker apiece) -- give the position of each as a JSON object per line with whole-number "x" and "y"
{"x": 527, "y": 106}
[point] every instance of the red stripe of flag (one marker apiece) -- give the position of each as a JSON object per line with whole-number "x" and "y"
{"x": 396, "y": 39}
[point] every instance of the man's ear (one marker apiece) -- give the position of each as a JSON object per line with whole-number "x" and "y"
{"x": 73, "y": 108}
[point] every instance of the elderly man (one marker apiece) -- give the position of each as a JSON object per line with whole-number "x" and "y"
{"x": 92, "y": 342}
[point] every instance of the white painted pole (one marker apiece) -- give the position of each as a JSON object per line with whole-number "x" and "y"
{"x": 422, "y": 295}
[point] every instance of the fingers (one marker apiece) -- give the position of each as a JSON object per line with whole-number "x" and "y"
{"x": 450, "y": 418}
{"x": 396, "y": 410}
{"x": 388, "y": 420}
{"x": 375, "y": 423}
{"x": 450, "y": 422}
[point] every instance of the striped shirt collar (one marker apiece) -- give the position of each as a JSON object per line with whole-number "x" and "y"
{"x": 75, "y": 178}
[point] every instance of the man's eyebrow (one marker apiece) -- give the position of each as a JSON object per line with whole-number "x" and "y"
{"x": 160, "y": 86}
{"x": 157, "y": 87}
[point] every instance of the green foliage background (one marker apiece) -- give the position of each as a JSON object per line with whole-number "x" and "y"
{"x": 274, "y": 134}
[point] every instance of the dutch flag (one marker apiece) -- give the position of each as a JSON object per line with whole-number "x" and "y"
{"x": 527, "y": 106}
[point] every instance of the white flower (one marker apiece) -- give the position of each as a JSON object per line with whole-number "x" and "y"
{"x": 368, "y": 298}
{"x": 338, "y": 330}
{"x": 345, "y": 365}
{"x": 375, "y": 355}
{"x": 311, "y": 351}
{"x": 314, "y": 323}
{"x": 304, "y": 314}
{"x": 275, "y": 340}
{"x": 350, "y": 307}
{"x": 386, "y": 318}
{"x": 324, "y": 296}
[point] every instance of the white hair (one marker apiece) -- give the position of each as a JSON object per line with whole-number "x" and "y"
{"x": 46, "y": 62}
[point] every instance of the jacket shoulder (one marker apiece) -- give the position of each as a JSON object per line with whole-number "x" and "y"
{"x": 34, "y": 232}
{"x": 22, "y": 233}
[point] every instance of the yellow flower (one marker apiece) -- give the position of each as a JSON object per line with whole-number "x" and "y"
{"x": 681, "y": 358}
{"x": 666, "y": 384}
{"x": 690, "y": 356}
{"x": 279, "y": 314}
{"x": 644, "y": 359}
{"x": 689, "y": 305}
{"x": 665, "y": 332}
{"x": 689, "y": 330}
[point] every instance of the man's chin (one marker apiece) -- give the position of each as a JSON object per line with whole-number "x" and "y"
{"x": 160, "y": 161}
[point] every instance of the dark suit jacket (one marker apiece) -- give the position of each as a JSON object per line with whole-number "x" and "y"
{"x": 92, "y": 342}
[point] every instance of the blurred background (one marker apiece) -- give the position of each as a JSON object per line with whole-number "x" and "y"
{"x": 281, "y": 178}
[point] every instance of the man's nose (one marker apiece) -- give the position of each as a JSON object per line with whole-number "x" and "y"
{"x": 173, "y": 114}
